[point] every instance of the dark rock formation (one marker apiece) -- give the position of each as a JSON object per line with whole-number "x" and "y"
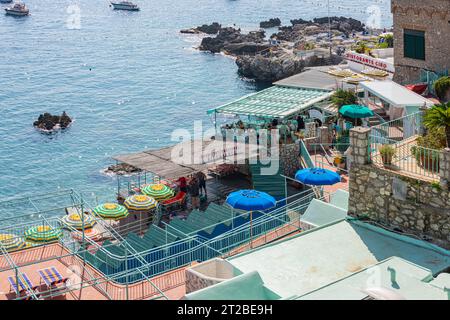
{"x": 49, "y": 122}
{"x": 212, "y": 28}
{"x": 299, "y": 21}
{"x": 274, "y": 22}
{"x": 121, "y": 169}
{"x": 245, "y": 48}
{"x": 342, "y": 24}
{"x": 268, "y": 69}
{"x": 271, "y": 68}
{"x": 232, "y": 41}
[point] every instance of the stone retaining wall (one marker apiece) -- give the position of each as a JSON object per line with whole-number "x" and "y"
{"x": 423, "y": 211}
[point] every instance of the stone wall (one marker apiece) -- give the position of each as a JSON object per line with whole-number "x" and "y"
{"x": 424, "y": 211}
{"x": 411, "y": 205}
{"x": 289, "y": 159}
{"x": 431, "y": 16}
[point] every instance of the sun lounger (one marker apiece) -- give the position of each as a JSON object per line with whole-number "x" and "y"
{"x": 51, "y": 276}
{"x": 176, "y": 201}
{"x": 24, "y": 287}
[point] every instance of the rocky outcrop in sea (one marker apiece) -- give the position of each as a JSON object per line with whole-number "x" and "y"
{"x": 121, "y": 169}
{"x": 232, "y": 41}
{"x": 271, "y": 23}
{"x": 48, "y": 122}
{"x": 212, "y": 28}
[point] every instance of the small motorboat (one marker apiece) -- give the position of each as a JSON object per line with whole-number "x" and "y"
{"x": 125, "y": 5}
{"x": 18, "y": 9}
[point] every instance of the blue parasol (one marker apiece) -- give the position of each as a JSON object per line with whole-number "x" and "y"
{"x": 250, "y": 200}
{"x": 317, "y": 177}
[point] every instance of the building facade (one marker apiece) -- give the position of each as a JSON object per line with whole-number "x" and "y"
{"x": 421, "y": 38}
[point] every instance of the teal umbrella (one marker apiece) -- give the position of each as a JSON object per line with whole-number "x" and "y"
{"x": 355, "y": 111}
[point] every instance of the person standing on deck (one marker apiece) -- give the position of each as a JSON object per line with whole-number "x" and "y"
{"x": 194, "y": 192}
{"x": 202, "y": 182}
{"x": 182, "y": 183}
{"x": 300, "y": 123}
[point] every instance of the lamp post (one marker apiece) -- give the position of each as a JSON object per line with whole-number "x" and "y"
{"x": 329, "y": 26}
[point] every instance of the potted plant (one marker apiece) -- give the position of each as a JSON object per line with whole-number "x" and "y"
{"x": 387, "y": 153}
{"x": 339, "y": 161}
{"x": 426, "y": 152}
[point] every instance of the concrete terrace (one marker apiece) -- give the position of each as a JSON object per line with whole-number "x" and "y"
{"x": 412, "y": 282}
{"x": 318, "y": 257}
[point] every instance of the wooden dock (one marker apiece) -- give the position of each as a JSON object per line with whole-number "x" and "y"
{"x": 186, "y": 158}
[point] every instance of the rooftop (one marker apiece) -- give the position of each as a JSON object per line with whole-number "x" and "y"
{"x": 325, "y": 254}
{"x": 395, "y": 93}
{"x": 279, "y": 101}
{"x": 315, "y": 77}
{"x": 412, "y": 282}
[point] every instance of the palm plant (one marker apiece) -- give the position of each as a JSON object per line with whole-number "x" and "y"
{"x": 439, "y": 117}
{"x": 343, "y": 97}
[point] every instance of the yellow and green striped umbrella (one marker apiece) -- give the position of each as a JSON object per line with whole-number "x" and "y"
{"x": 43, "y": 233}
{"x": 111, "y": 211}
{"x": 74, "y": 220}
{"x": 140, "y": 202}
{"x": 158, "y": 191}
{"x": 12, "y": 242}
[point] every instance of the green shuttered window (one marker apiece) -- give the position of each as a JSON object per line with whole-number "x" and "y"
{"x": 414, "y": 42}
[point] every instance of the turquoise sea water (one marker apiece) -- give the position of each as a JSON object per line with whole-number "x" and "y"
{"x": 127, "y": 78}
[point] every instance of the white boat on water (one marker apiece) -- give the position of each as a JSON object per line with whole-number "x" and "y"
{"x": 125, "y": 5}
{"x": 18, "y": 9}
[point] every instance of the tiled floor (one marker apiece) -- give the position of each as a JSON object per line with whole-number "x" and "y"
{"x": 88, "y": 293}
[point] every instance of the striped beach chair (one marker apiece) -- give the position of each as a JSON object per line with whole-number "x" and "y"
{"x": 51, "y": 276}
{"x": 23, "y": 287}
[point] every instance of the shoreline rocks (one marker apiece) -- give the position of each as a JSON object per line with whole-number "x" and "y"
{"x": 210, "y": 29}
{"x": 285, "y": 53}
{"x": 231, "y": 41}
{"x": 48, "y": 122}
{"x": 121, "y": 169}
{"x": 271, "y": 23}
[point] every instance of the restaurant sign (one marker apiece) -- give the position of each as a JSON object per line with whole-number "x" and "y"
{"x": 369, "y": 61}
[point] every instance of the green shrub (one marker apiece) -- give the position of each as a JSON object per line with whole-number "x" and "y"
{"x": 387, "y": 152}
{"x": 343, "y": 97}
{"x": 442, "y": 88}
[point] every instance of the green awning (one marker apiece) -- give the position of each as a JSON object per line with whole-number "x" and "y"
{"x": 275, "y": 102}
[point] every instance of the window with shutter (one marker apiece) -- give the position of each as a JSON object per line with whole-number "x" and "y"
{"x": 414, "y": 44}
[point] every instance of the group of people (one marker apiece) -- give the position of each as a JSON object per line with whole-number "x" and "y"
{"x": 287, "y": 128}
{"x": 195, "y": 186}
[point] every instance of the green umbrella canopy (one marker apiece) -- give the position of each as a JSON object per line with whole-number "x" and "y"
{"x": 43, "y": 233}
{"x": 112, "y": 211}
{"x": 140, "y": 202}
{"x": 356, "y": 111}
{"x": 158, "y": 191}
{"x": 74, "y": 220}
{"x": 12, "y": 242}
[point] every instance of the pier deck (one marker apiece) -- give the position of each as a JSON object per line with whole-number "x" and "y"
{"x": 166, "y": 163}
